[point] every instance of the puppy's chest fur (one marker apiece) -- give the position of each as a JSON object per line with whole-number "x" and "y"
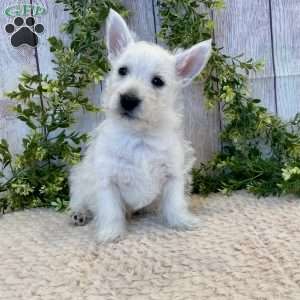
{"x": 138, "y": 166}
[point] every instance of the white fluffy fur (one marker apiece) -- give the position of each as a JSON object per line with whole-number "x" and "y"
{"x": 132, "y": 163}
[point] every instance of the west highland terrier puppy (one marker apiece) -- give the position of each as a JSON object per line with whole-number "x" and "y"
{"x": 138, "y": 155}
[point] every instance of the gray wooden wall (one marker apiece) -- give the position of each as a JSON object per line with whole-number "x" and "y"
{"x": 261, "y": 29}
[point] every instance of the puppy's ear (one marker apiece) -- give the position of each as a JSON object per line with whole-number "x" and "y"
{"x": 118, "y": 36}
{"x": 191, "y": 62}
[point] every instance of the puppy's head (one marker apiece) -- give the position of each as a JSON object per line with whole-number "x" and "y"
{"x": 142, "y": 86}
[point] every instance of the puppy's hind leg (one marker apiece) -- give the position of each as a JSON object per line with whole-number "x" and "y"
{"x": 80, "y": 214}
{"x": 80, "y": 195}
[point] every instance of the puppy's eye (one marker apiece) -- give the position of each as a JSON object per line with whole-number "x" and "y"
{"x": 157, "y": 82}
{"x": 123, "y": 71}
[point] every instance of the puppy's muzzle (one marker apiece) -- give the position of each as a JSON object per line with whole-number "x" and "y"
{"x": 129, "y": 102}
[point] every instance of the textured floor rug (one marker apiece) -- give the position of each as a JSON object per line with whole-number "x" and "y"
{"x": 246, "y": 248}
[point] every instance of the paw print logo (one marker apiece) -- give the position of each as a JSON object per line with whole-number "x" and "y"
{"x": 24, "y": 33}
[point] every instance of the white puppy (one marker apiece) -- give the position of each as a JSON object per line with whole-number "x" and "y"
{"x": 138, "y": 154}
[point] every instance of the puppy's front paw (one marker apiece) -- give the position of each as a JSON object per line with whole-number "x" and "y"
{"x": 182, "y": 221}
{"x": 110, "y": 234}
{"x": 80, "y": 218}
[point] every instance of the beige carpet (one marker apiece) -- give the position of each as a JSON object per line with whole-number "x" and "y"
{"x": 247, "y": 248}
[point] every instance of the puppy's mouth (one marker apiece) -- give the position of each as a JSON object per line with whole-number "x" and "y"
{"x": 127, "y": 115}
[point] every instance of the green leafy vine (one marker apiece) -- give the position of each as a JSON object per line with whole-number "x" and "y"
{"x": 37, "y": 177}
{"x": 260, "y": 152}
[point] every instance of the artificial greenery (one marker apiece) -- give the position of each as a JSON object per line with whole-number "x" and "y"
{"x": 37, "y": 177}
{"x": 260, "y": 152}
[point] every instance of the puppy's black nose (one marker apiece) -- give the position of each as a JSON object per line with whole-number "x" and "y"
{"x": 129, "y": 101}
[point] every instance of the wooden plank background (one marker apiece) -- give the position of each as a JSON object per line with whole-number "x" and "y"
{"x": 261, "y": 29}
